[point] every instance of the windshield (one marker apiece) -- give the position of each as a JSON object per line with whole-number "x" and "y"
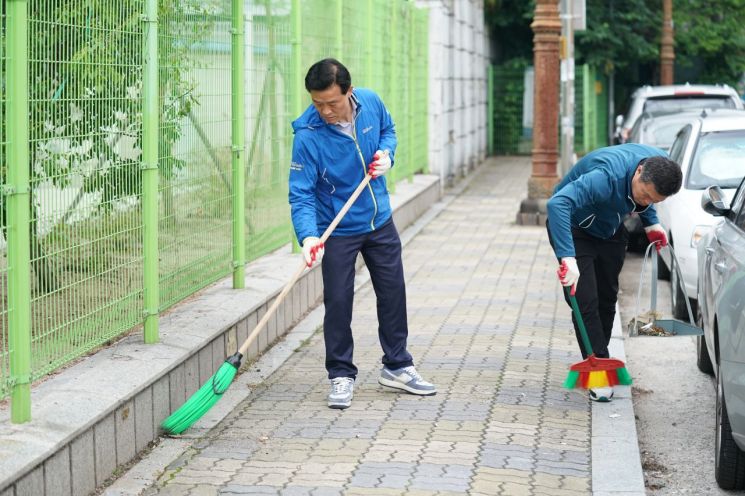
{"x": 678, "y": 103}
{"x": 719, "y": 160}
{"x": 661, "y": 133}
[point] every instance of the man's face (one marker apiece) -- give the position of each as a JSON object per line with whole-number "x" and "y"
{"x": 332, "y": 104}
{"x": 644, "y": 193}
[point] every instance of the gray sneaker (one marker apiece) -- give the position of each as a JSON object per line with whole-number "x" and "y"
{"x": 342, "y": 391}
{"x": 406, "y": 379}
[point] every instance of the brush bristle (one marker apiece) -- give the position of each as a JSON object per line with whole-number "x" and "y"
{"x": 201, "y": 401}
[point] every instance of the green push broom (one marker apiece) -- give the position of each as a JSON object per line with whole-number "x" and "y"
{"x": 211, "y": 391}
{"x": 593, "y": 372}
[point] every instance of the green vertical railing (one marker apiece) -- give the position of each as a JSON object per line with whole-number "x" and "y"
{"x": 148, "y": 156}
{"x": 16, "y": 196}
{"x": 150, "y": 123}
{"x": 490, "y": 111}
{"x": 238, "y": 138}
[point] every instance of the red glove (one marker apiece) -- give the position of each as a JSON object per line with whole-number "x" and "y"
{"x": 380, "y": 165}
{"x": 656, "y": 234}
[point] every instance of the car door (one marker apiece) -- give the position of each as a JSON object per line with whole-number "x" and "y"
{"x": 728, "y": 281}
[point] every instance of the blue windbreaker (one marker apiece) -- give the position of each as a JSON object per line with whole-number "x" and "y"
{"x": 328, "y": 165}
{"x": 595, "y": 195}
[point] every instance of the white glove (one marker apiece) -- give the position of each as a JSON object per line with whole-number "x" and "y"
{"x": 380, "y": 165}
{"x": 568, "y": 272}
{"x": 312, "y": 250}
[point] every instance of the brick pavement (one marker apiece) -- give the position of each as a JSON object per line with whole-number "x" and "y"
{"x": 486, "y": 325}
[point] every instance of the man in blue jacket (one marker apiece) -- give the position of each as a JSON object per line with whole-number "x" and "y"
{"x": 343, "y": 131}
{"x": 586, "y": 231}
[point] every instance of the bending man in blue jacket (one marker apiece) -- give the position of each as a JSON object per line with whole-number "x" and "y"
{"x": 586, "y": 231}
{"x": 343, "y": 131}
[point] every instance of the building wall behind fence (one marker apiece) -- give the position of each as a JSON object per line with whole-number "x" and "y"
{"x": 85, "y": 70}
{"x": 458, "y": 62}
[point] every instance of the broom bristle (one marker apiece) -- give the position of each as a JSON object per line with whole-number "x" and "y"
{"x": 624, "y": 377}
{"x": 201, "y": 401}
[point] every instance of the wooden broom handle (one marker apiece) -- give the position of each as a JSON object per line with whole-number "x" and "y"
{"x": 244, "y": 347}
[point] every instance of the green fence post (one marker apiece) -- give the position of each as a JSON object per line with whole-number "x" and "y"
{"x": 410, "y": 94}
{"x": 150, "y": 168}
{"x": 17, "y": 195}
{"x": 297, "y": 86}
{"x": 587, "y": 121}
{"x": 394, "y": 86}
{"x": 339, "y": 30}
{"x": 368, "y": 44}
{"x": 490, "y": 110}
{"x": 424, "y": 41}
{"x": 238, "y": 145}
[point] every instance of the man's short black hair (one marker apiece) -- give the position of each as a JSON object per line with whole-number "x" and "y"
{"x": 663, "y": 173}
{"x": 325, "y": 73}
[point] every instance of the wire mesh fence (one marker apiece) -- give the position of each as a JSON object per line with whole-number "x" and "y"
{"x": 85, "y": 99}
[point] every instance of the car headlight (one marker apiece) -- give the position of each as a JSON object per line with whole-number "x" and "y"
{"x": 698, "y": 233}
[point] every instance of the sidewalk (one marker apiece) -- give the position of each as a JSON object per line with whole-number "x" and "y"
{"x": 487, "y": 325}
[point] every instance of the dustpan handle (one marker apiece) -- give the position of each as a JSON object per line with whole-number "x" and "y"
{"x": 580, "y": 322}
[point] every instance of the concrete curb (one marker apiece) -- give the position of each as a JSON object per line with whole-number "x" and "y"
{"x": 616, "y": 463}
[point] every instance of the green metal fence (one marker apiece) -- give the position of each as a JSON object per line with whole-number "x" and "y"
{"x": 511, "y": 110}
{"x": 144, "y": 174}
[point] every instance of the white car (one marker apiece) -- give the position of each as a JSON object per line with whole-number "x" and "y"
{"x": 675, "y": 98}
{"x": 711, "y": 152}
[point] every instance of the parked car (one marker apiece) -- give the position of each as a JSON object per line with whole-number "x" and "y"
{"x": 675, "y": 98}
{"x": 721, "y": 313}
{"x": 655, "y": 129}
{"x": 711, "y": 152}
{"x": 659, "y": 129}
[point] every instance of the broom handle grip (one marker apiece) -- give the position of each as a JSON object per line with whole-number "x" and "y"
{"x": 580, "y": 324}
{"x": 255, "y": 332}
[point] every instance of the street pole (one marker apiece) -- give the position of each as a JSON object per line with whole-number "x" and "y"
{"x": 667, "y": 53}
{"x": 547, "y": 28}
{"x": 567, "y": 83}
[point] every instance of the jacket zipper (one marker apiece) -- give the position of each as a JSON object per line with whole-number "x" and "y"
{"x": 364, "y": 171}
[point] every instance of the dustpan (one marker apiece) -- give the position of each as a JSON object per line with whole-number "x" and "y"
{"x": 649, "y": 324}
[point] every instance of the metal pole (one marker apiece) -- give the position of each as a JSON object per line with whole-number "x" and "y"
{"x": 17, "y": 194}
{"x": 238, "y": 146}
{"x": 297, "y": 85}
{"x": 667, "y": 54}
{"x": 339, "y": 30}
{"x": 150, "y": 131}
{"x": 490, "y": 110}
{"x": 567, "y": 81}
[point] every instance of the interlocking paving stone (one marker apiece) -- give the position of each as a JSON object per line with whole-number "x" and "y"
{"x": 486, "y": 324}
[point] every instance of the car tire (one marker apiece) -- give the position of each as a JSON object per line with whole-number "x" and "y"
{"x": 677, "y": 295}
{"x": 703, "y": 360}
{"x": 663, "y": 273}
{"x": 729, "y": 463}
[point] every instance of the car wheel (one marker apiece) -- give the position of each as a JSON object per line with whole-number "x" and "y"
{"x": 729, "y": 465}
{"x": 663, "y": 273}
{"x": 703, "y": 360}
{"x": 677, "y": 295}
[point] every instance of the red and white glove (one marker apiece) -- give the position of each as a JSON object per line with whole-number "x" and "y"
{"x": 656, "y": 234}
{"x": 380, "y": 165}
{"x": 568, "y": 272}
{"x": 312, "y": 250}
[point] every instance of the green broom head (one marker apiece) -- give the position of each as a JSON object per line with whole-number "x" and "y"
{"x": 207, "y": 395}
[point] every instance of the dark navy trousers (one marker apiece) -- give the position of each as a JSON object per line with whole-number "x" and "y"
{"x": 600, "y": 262}
{"x": 381, "y": 250}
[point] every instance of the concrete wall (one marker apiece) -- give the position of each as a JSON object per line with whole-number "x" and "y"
{"x": 458, "y": 62}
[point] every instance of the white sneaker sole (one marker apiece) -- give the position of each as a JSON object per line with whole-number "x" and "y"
{"x": 340, "y": 406}
{"x": 404, "y": 387}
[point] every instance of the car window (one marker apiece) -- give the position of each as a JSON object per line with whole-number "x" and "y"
{"x": 662, "y": 133}
{"x": 676, "y": 103}
{"x": 676, "y": 151}
{"x": 718, "y": 160}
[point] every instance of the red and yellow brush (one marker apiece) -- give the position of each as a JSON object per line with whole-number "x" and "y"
{"x": 593, "y": 372}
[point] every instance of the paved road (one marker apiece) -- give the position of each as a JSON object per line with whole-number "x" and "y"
{"x": 674, "y": 402}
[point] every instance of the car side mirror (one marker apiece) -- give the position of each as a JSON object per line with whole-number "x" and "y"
{"x": 714, "y": 202}
{"x": 619, "y": 120}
